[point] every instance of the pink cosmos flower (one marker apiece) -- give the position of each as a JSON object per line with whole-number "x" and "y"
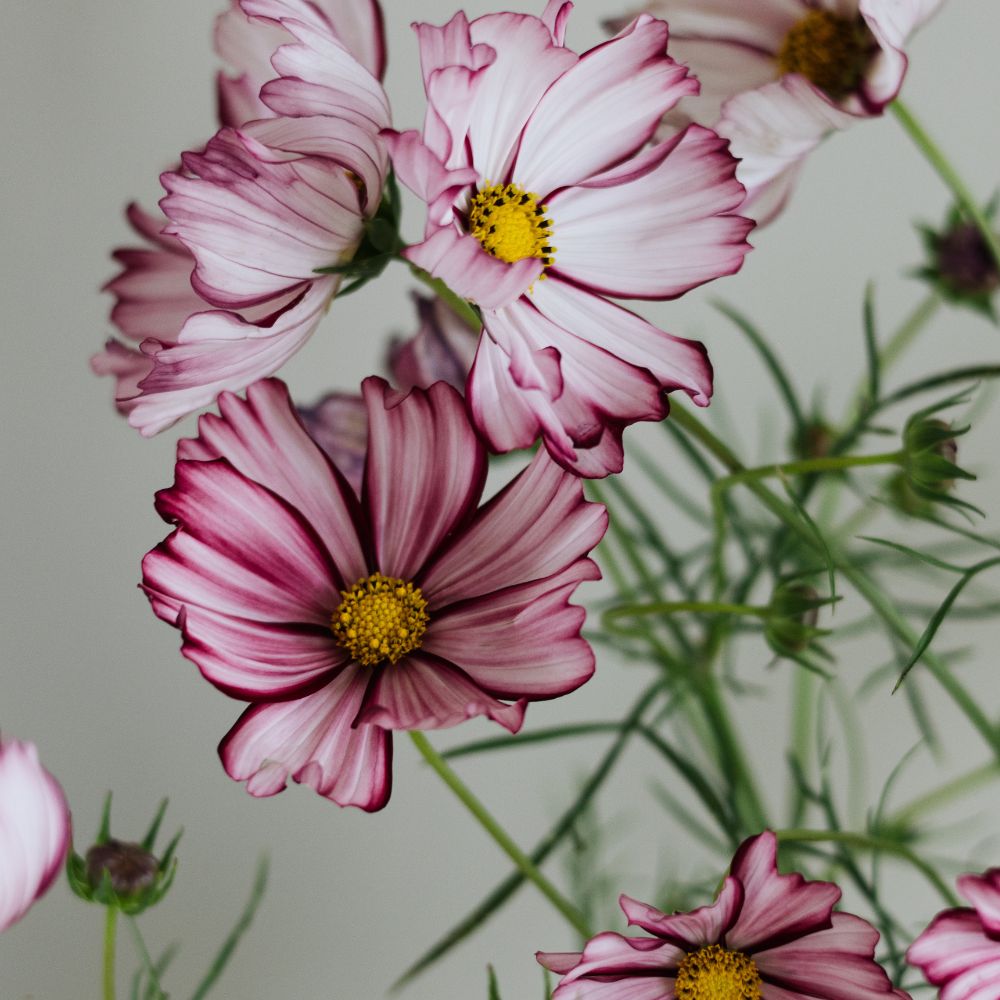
{"x": 340, "y": 620}
{"x": 960, "y": 951}
{"x": 766, "y": 937}
{"x": 34, "y": 829}
{"x": 777, "y": 76}
{"x": 542, "y": 200}
{"x": 227, "y": 290}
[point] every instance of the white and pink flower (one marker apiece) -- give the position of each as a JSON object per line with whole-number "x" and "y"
{"x": 34, "y": 829}
{"x": 959, "y": 952}
{"x": 766, "y": 937}
{"x": 543, "y": 199}
{"x": 227, "y": 288}
{"x": 778, "y": 76}
{"x": 340, "y": 619}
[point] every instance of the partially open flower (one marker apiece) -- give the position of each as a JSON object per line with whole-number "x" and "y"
{"x": 766, "y": 937}
{"x": 34, "y": 829}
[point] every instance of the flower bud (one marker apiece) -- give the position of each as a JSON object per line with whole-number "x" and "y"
{"x": 814, "y": 440}
{"x": 129, "y": 868}
{"x": 790, "y": 627}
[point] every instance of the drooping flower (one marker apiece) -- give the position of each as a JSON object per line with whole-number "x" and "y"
{"x": 34, "y": 829}
{"x": 766, "y": 937}
{"x": 542, "y": 200}
{"x": 340, "y": 620}
{"x": 960, "y": 951}
{"x": 778, "y": 76}
{"x": 227, "y": 288}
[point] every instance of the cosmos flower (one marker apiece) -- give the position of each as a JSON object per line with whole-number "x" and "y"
{"x": 959, "y": 952}
{"x": 766, "y": 937}
{"x": 340, "y": 620}
{"x": 777, "y": 76}
{"x": 226, "y": 288}
{"x": 34, "y": 829}
{"x": 542, "y": 199}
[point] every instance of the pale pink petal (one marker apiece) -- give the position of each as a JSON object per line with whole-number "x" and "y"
{"x": 625, "y": 961}
{"x": 703, "y": 926}
{"x": 259, "y": 228}
{"x": 338, "y": 423}
{"x": 555, "y": 16}
{"x": 539, "y": 525}
{"x": 127, "y": 367}
{"x": 983, "y": 891}
{"x": 312, "y": 740}
{"x": 424, "y": 475}
{"x": 239, "y": 550}
{"x": 468, "y": 270}
{"x": 660, "y": 235}
{"x": 953, "y": 944}
{"x": 641, "y": 988}
{"x": 836, "y": 963}
{"x": 34, "y": 829}
{"x": 220, "y": 350}
{"x": 423, "y": 692}
{"x": 442, "y": 350}
{"x": 560, "y": 962}
{"x": 246, "y": 47}
{"x": 619, "y": 90}
{"x": 264, "y": 440}
{"x": 675, "y": 363}
{"x": 775, "y": 906}
{"x": 520, "y": 642}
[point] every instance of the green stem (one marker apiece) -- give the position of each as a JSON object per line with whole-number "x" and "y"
{"x": 670, "y": 607}
{"x": 497, "y": 832}
{"x": 458, "y": 305}
{"x": 936, "y": 158}
{"x": 110, "y": 935}
{"x": 937, "y": 797}
{"x": 867, "y": 842}
{"x": 907, "y": 332}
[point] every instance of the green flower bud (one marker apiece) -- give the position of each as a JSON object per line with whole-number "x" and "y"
{"x": 790, "y": 627}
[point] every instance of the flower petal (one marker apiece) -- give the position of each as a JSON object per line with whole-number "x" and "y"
{"x": 618, "y": 90}
{"x": 312, "y": 740}
{"x": 983, "y": 891}
{"x": 442, "y": 350}
{"x": 954, "y": 944}
{"x": 423, "y": 692}
{"x": 34, "y": 829}
{"x": 660, "y": 235}
{"x": 693, "y": 930}
{"x": 425, "y": 472}
{"x": 631, "y": 968}
{"x": 338, "y": 423}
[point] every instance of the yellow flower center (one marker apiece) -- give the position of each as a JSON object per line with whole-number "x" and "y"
{"x": 713, "y": 973}
{"x": 510, "y": 224}
{"x": 831, "y": 51}
{"x": 380, "y": 618}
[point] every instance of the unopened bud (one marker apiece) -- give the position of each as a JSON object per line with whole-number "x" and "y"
{"x": 790, "y": 627}
{"x": 130, "y": 868}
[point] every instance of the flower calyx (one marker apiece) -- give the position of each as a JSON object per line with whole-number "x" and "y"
{"x": 790, "y": 626}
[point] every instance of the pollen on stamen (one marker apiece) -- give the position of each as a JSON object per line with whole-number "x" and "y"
{"x": 830, "y": 51}
{"x": 510, "y": 224}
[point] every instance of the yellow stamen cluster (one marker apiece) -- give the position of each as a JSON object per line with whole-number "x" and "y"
{"x": 380, "y": 618}
{"x": 713, "y": 973}
{"x": 831, "y": 51}
{"x": 510, "y": 224}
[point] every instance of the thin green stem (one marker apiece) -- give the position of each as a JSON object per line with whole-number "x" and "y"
{"x": 971, "y": 781}
{"x": 909, "y": 329}
{"x": 110, "y": 937}
{"x": 497, "y": 832}
{"x": 870, "y": 843}
{"x": 457, "y": 303}
{"x": 147, "y": 961}
{"x": 936, "y": 158}
{"x": 672, "y": 607}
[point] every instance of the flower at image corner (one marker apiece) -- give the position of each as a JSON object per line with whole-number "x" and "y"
{"x": 34, "y": 829}
{"x": 766, "y": 937}
{"x": 959, "y": 952}
{"x": 341, "y": 619}
{"x": 226, "y": 288}
{"x": 777, "y": 76}
{"x": 543, "y": 198}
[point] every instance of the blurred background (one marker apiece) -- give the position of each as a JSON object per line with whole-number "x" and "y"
{"x": 98, "y": 99}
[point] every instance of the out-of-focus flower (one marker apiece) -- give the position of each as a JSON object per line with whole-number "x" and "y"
{"x": 341, "y": 620}
{"x": 542, "y": 200}
{"x": 766, "y": 937}
{"x": 777, "y": 76}
{"x": 960, "y": 951}
{"x": 34, "y": 829}
{"x": 228, "y": 289}
{"x": 960, "y": 265}
{"x": 442, "y": 350}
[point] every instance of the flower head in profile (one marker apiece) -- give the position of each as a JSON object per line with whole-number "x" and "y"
{"x": 227, "y": 287}
{"x": 959, "y": 952}
{"x": 778, "y": 76}
{"x": 342, "y": 618}
{"x": 766, "y": 937}
{"x": 34, "y": 829}
{"x": 543, "y": 198}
